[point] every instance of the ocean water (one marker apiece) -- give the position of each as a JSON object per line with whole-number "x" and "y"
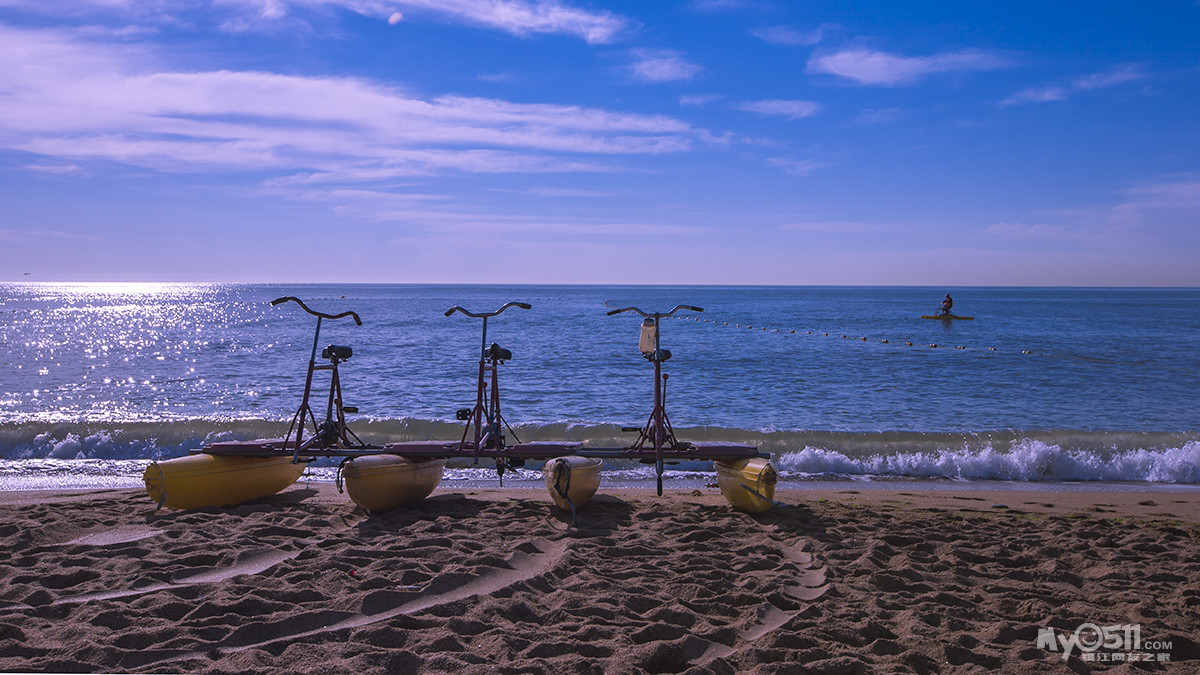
{"x": 1043, "y": 385}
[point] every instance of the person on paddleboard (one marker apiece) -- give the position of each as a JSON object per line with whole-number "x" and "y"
{"x": 947, "y": 304}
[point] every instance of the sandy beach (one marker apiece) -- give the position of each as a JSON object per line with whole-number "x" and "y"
{"x": 495, "y": 580}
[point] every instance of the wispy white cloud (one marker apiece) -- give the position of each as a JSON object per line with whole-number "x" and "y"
{"x": 1061, "y": 91}
{"x": 565, "y": 229}
{"x": 792, "y": 110}
{"x": 661, "y": 65}
{"x": 1031, "y": 231}
{"x": 795, "y": 167}
{"x": 517, "y": 17}
{"x": 880, "y": 116}
{"x": 498, "y": 78}
{"x": 1112, "y": 78}
{"x": 77, "y": 100}
{"x": 1172, "y": 202}
{"x": 721, "y": 5}
{"x": 63, "y": 169}
{"x": 567, "y": 193}
{"x": 788, "y": 36}
{"x": 1147, "y": 214}
{"x": 699, "y": 100}
{"x": 436, "y": 217}
{"x": 1046, "y": 93}
{"x": 834, "y": 227}
{"x": 13, "y": 235}
{"x": 866, "y": 66}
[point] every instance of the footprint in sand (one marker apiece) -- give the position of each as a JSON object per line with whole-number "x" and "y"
{"x": 807, "y": 586}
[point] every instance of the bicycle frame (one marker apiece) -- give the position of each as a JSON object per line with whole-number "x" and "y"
{"x": 333, "y": 431}
{"x": 657, "y": 430}
{"x": 487, "y": 406}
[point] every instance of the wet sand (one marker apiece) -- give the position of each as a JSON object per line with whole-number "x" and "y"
{"x": 496, "y": 581}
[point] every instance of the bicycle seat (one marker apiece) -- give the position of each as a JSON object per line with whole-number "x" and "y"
{"x": 336, "y": 352}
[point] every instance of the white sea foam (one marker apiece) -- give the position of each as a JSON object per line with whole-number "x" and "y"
{"x": 1028, "y": 460}
{"x": 1008, "y": 456}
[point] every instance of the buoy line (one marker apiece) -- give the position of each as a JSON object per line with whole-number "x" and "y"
{"x": 934, "y": 345}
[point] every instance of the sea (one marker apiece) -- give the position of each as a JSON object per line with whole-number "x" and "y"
{"x": 1063, "y": 388}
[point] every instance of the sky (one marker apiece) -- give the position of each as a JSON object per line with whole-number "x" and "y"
{"x": 567, "y": 141}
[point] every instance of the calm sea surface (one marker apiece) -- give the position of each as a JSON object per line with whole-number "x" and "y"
{"x": 1043, "y": 385}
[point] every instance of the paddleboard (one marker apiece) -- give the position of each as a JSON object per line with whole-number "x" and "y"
{"x": 948, "y": 317}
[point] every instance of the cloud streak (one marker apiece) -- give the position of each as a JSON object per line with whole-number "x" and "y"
{"x": 1150, "y": 213}
{"x": 517, "y": 17}
{"x": 79, "y": 100}
{"x": 1061, "y": 91}
{"x": 792, "y": 110}
{"x": 789, "y": 37}
{"x": 661, "y": 65}
{"x": 796, "y": 167}
{"x": 870, "y": 67}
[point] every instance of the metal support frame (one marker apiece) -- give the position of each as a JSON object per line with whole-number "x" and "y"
{"x": 334, "y": 428}
{"x": 657, "y": 431}
{"x": 487, "y": 405}
{"x": 656, "y": 441}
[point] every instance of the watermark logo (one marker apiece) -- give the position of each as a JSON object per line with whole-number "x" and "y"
{"x": 1108, "y": 644}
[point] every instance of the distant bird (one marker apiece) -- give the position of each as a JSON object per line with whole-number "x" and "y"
{"x": 27, "y": 273}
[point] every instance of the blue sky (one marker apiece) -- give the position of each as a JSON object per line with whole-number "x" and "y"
{"x": 522, "y": 141}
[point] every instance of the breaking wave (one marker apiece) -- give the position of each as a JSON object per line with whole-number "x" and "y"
{"x": 1009, "y": 455}
{"x": 1028, "y": 460}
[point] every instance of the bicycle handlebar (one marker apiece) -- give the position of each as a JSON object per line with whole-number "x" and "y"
{"x": 322, "y": 315}
{"x": 655, "y": 315}
{"x": 484, "y": 315}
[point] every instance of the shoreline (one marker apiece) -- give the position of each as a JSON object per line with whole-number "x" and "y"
{"x": 52, "y": 475}
{"x": 1123, "y": 500}
{"x": 489, "y": 579}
